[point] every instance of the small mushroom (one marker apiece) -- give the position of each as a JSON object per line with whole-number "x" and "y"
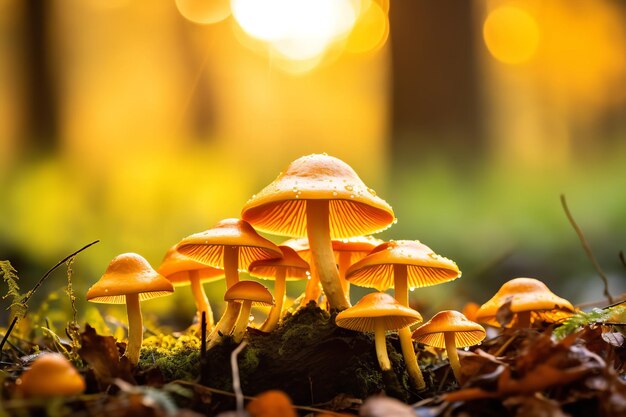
{"x": 378, "y": 312}
{"x": 181, "y": 270}
{"x": 289, "y": 267}
{"x": 247, "y": 293}
{"x": 528, "y": 300}
{"x": 51, "y": 374}
{"x": 128, "y": 279}
{"x": 450, "y": 330}
{"x": 323, "y": 198}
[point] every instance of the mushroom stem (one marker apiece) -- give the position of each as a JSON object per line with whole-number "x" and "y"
{"x": 279, "y": 296}
{"x": 313, "y": 290}
{"x": 453, "y": 355}
{"x": 226, "y": 323}
{"x": 381, "y": 345}
{"x": 242, "y": 321}
{"x": 401, "y": 293}
{"x": 523, "y": 320}
{"x": 202, "y": 302}
{"x": 344, "y": 264}
{"x": 318, "y": 231}
{"x": 135, "y": 328}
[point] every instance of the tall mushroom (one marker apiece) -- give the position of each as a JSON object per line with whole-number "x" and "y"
{"x": 378, "y": 312}
{"x": 323, "y": 198}
{"x": 528, "y": 300}
{"x": 247, "y": 293}
{"x": 181, "y": 270}
{"x": 403, "y": 264}
{"x": 289, "y": 267}
{"x": 128, "y": 279}
{"x": 450, "y": 329}
{"x": 232, "y": 245}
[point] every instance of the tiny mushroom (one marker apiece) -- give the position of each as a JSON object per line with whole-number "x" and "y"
{"x": 289, "y": 267}
{"x": 528, "y": 301}
{"x": 403, "y": 264}
{"x": 128, "y": 279}
{"x": 232, "y": 244}
{"x": 450, "y": 330}
{"x": 181, "y": 270}
{"x": 323, "y": 198}
{"x": 378, "y": 312}
{"x": 247, "y": 293}
{"x": 51, "y": 374}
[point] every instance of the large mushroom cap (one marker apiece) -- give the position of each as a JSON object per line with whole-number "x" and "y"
{"x": 208, "y": 247}
{"x": 295, "y": 267}
{"x": 526, "y": 294}
{"x": 424, "y": 267}
{"x": 176, "y": 267}
{"x": 362, "y": 316}
{"x": 354, "y": 208}
{"x": 249, "y": 291}
{"x": 466, "y": 332}
{"x": 51, "y": 374}
{"x": 128, "y": 273}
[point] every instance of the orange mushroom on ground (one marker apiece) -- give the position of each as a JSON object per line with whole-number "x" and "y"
{"x": 527, "y": 300}
{"x": 247, "y": 293}
{"x": 378, "y": 312}
{"x": 181, "y": 270}
{"x": 403, "y": 264}
{"x": 450, "y": 329}
{"x": 129, "y": 279}
{"x": 289, "y": 267}
{"x": 51, "y": 374}
{"x": 322, "y": 198}
{"x": 231, "y": 245}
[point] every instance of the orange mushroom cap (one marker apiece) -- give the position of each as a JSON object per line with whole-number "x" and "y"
{"x": 208, "y": 247}
{"x": 361, "y": 317}
{"x": 526, "y": 294}
{"x": 295, "y": 267}
{"x": 424, "y": 267}
{"x": 358, "y": 246}
{"x": 129, "y": 273}
{"x": 249, "y": 291}
{"x": 354, "y": 208}
{"x": 176, "y": 267}
{"x": 466, "y": 332}
{"x": 51, "y": 374}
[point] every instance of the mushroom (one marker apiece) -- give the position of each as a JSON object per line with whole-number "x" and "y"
{"x": 289, "y": 267}
{"x": 529, "y": 300}
{"x": 181, "y": 270}
{"x": 51, "y": 374}
{"x": 128, "y": 279}
{"x": 450, "y": 330}
{"x": 378, "y": 312}
{"x": 401, "y": 264}
{"x": 232, "y": 244}
{"x": 248, "y": 293}
{"x": 320, "y": 197}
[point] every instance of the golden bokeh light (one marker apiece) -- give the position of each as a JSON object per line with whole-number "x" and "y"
{"x": 371, "y": 29}
{"x": 511, "y": 34}
{"x": 204, "y": 12}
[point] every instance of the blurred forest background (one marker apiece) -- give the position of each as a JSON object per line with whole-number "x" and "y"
{"x": 138, "y": 123}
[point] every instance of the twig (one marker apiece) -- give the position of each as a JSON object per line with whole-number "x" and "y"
{"x": 38, "y": 284}
{"x": 587, "y": 249}
{"x": 621, "y": 258}
{"x": 236, "y": 380}
{"x": 203, "y": 348}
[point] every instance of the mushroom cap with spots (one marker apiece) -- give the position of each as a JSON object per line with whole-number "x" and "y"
{"x": 466, "y": 332}
{"x": 51, "y": 374}
{"x": 378, "y": 305}
{"x": 208, "y": 247}
{"x": 523, "y": 295}
{"x": 129, "y": 273}
{"x": 176, "y": 267}
{"x": 424, "y": 267}
{"x": 295, "y": 267}
{"x": 249, "y": 291}
{"x": 354, "y": 208}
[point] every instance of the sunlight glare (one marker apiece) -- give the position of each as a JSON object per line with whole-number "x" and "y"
{"x": 204, "y": 12}
{"x": 511, "y": 35}
{"x": 371, "y": 29}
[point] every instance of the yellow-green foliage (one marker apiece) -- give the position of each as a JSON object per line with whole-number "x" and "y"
{"x": 18, "y": 300}
{"x": 615, "y": 314}
{"x": 176, "y": 357}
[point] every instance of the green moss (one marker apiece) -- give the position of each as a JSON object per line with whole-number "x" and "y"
{"x": 175, "y": 357}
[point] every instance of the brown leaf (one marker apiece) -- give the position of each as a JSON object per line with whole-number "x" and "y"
{"x": 102, "y": 354}
{"x": 504, "y": 315}
{"x": 613, "y": 338}
{"x": 536, "y": 406}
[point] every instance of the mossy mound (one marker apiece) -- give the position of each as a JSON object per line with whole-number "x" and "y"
{"x": 311, "y": 359}
{"x": 175, "y": 357}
